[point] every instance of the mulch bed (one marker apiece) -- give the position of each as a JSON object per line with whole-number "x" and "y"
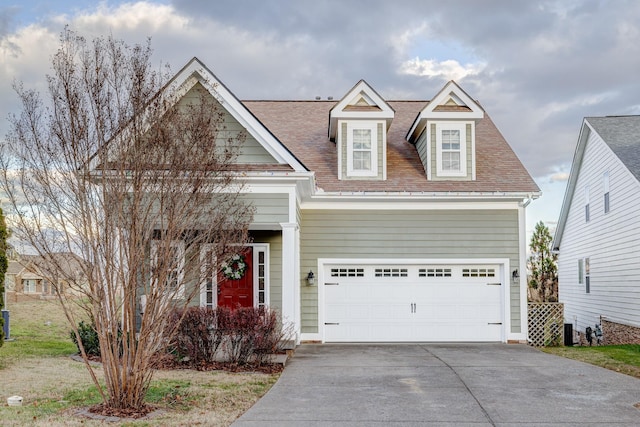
{"x": 168, "y": 362}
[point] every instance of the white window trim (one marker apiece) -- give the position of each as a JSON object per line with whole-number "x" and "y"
{"x": 179, "y": 293}
{"x": 373, "y": 127}
{"x": 462, "y": 128}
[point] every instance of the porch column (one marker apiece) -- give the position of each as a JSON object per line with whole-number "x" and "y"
{"x": 290, "y": 276}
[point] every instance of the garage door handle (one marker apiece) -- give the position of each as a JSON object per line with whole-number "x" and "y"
{"x": 331, "y": 284}
{"x": 331, "y": 323}
{"x": 494, "y": 284}
{"x": 494, "y": 323}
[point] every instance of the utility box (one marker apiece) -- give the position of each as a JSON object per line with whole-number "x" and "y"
{"x": 568, "y": 334}
{"x": 5, "y": 328}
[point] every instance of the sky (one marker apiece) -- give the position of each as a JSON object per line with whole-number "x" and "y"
{"x": 537, "y": 67}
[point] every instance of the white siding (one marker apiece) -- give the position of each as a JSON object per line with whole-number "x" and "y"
{"x": 611, "y": 241}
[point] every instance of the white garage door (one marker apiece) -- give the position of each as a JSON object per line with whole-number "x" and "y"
{"x": 413, "y": 303}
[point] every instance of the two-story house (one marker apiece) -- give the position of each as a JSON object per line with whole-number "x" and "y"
{"x": 598, "y": 233}
{"x": 378, "y": 220}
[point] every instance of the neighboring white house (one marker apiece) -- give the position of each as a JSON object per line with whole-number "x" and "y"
{"x": 598, "y": 234}
{"x": 409, "y": 216}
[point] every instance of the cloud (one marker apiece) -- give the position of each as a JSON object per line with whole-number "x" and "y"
{"x": 448, "y": 69}
{"x": 559, "y": 177}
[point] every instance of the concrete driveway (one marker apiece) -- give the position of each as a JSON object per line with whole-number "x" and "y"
{"x": 443, "y": 385}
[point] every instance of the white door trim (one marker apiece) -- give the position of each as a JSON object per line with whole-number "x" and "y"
{"x": 504, "y": 278}
{"x": 257, "y": 247}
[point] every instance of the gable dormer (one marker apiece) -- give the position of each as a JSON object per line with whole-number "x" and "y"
{"x": 444, "y": 135}
{"x": 358, "y": 124}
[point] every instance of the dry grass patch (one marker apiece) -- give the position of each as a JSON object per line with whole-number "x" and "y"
{"x": 54, "y": 387}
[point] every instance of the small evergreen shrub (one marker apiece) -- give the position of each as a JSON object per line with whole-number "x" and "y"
{"x": 89, "y": 338}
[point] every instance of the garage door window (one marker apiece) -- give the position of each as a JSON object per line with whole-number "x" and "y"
{"x": 392, "y": 272}
{"x": 478, "y": 272}
{"x": 347, "y": 272}
{"x": 434, "y": 272}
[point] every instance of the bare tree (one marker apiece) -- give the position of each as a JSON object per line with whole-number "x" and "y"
{"x": 135, "y": 174}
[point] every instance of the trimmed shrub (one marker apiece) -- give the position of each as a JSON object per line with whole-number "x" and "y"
{"x": 241, "y": 336}
{"x": 88, "y": 337}
{"x": 198, "y": 337}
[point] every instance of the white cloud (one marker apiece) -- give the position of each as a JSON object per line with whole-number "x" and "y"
{"x": 559, "y": 177}
{"x": 449, "y": 69}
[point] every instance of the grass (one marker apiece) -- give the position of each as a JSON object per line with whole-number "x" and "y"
{"x": 38, "y": 329}
{"x": 620, "y": 358}
{"x": 36, "y": 366}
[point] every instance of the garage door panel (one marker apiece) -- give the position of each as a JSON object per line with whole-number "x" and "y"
{"x": 414, "y": 303}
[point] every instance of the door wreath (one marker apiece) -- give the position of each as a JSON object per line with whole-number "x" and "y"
{"x": 235, "y": 268}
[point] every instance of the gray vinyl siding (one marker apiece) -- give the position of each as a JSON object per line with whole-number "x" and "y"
{"x": 251, "y": 152}
{"x": 610, "y": 241}
{"x": 380, "y": 148}
{"x": 408, "y": 234}
{"x": 269, "y": 208}
{"x": 434, "y": 157}
{"x": 422, "y": 147}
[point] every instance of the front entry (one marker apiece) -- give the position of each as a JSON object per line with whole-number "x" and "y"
{"x": 235, "y": 281}
{"x": 246, "y": 286}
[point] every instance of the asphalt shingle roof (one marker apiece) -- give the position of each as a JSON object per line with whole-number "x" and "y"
{"x": 302, "y": 126}
{"x": 622, "y": 135}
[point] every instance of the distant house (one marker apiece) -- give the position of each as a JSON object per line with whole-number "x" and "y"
{"x": 598, "y": 233}
{"x": 34, "y": 277}
{"x": 375, "y": 220}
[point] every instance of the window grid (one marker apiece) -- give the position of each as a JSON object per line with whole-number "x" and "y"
{"x": 434, "y": 272}
{"x": 347, "y": 272}
{"x": 262, "y": 291}
{"x": 478, "y": 272}
{"x": 451, "y": 150}
{"x": 391, "y": 272}
{"x": 362, "y": 149}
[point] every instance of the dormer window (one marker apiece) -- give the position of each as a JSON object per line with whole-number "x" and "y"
{"x": 362, "y": 152}
{"x": 358, "y": 124}
{"x": 444, "y": 135}
{"x": 451, "y": 150}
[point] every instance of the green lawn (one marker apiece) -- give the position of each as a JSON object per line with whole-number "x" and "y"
{"x": 619, "y": 358}
{"x": 38, "y": 329}
{"x": 36, "y": 365}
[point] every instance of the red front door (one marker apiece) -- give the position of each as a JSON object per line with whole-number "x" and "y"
{"x": 234, "y": 293}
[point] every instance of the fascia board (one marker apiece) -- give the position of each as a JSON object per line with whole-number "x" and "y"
{"x": 576, "y": 164}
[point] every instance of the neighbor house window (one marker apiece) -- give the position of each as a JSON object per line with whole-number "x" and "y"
{"x": 29, "y": 286}
{"x": 362, "y": 149}
{"x": 605, "y": 179}
{"x": 451, "y": 149}
{"x": 168, "y": 264}
{"x": 581, "y": 271}
{"x": 587, "y": 279}
{"x": 587, "y": 214}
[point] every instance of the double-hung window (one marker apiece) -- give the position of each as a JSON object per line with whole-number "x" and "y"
{"x": 451, "y": 149}
{"x": 29, "y": 286}
{"x": 167, "y": 260}
{"x": 362, "y": 149}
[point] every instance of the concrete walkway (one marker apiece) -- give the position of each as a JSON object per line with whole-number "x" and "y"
{"x": 443, "y": 385}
